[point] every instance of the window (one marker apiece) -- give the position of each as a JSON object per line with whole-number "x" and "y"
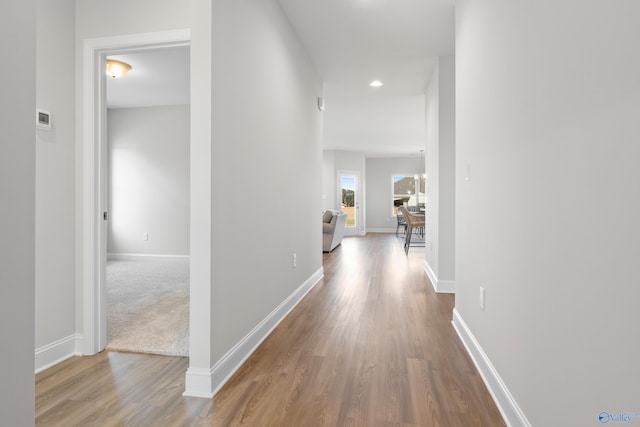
{"x": 403, "y": 188}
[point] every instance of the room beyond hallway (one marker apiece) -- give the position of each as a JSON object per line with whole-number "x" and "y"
{"x": 148, "y": 306}
{"x": 370, "y": 345}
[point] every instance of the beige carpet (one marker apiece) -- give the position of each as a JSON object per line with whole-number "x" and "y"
{"x": 148, "y": 307}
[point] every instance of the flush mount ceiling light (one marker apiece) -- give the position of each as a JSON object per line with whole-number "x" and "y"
{"x": 117, "y": 69}
{"x": 375, "y": 83}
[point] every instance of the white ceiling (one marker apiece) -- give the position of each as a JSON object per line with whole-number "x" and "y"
{"x": 157, "y": 77}
{"x": 351, "y": 43}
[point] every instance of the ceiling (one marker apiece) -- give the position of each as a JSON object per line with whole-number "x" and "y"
{"x": 351, "y": 43}
{"x": 157, "y": 77}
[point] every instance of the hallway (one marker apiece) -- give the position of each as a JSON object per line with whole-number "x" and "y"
{"x": 370, "y": 345}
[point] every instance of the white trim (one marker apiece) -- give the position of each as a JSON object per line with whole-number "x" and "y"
{"x": 440, "y": 286}
{"x": 54, "y": 353}
{"x": 381, "y": 230}
{"x": 147, "y": 257}
{"x": 506, "y": 403}
{"x": 206, "y": 383}
{"x": 93, "y": 229}
{"x": 199, "y": 383}
{"x": 446, "y": 287}
{"x": 90, "y": 202}
{"x": 142, "y": 41}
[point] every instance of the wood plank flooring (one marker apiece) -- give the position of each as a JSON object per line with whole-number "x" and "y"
{"x": 370, "y": 345}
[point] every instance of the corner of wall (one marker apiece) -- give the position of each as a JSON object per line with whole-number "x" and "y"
{"x": 440, "y": 286}
{"x": 58, "y": 351}
{"x": 207, "y": 382}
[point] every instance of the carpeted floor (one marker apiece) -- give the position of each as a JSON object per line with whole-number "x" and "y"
{"x": 148, "y": 307}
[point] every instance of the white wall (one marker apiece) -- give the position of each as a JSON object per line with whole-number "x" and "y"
{"x": 432, "y": 170}
{"x": 200, "y": 272}
{"x": 149, "y": 180}
{"x": 447, "y": 170}
{"x": 380, "y": 189}
{"x": 97, "y": 18}
{"x": 547, "y": 119}
{"x": 55, "y": 165}
{"x": 267, "y": 166}
{"x": 328, "y": 180}
{"x": 17, "y": 218}
{"x": 348, "y": 161}
{"x": 440, "y": 170}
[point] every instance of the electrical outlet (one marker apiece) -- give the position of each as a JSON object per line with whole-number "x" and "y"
{"x": 145, "y": 236}
{"x": 295, "y": 260}
{"x": 481, "y": 298}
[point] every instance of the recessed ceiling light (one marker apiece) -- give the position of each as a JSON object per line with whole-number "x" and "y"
{"x": 375, "y": 83}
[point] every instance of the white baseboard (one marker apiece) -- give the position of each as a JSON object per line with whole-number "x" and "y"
{"x": 54, "y": 353}
{"x": 382, "y": 230}
{"x": 199, "y": 383}
{"x": 206, "y": 383}
{"x": 149, "y": 257}
{"x": 440, "y": 286}
{"x": 507, "y": 405}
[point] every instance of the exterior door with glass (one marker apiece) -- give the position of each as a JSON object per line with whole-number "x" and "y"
{"x": 349, "y": 201}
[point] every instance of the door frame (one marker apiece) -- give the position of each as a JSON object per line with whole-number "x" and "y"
{"x": 358, "y": 229}
{"x": 94, "y": 172}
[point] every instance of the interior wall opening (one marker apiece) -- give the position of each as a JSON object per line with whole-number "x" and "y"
{"x": 145, "y": 194}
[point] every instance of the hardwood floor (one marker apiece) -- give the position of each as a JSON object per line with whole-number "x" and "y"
{"x": 370, "y": 345}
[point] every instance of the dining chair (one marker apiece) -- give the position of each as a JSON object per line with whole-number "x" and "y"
{"x": 402, "y": 222}
{"x": 416, "y": 222}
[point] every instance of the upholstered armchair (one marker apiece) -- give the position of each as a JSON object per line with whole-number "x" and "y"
{"x": 333, "y": 223}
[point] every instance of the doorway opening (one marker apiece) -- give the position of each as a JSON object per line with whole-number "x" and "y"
{"x": 148, "y": 174}
{"x": 98, "y": 236}
{"x": 349, "y": 196}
